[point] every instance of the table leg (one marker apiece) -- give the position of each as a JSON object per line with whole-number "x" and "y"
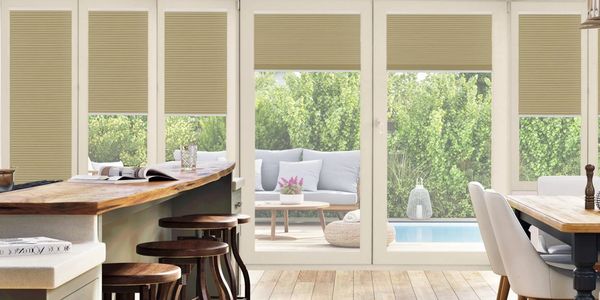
{"x": 322, "y": 218}
{"x": 273, "y": 223}
{"x": 286, "y": 220}
{"x": 585, "y": 252}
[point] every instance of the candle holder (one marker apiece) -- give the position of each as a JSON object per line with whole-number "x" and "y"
{"x": 589, "y": 187}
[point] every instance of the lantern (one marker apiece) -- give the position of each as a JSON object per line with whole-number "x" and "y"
{"x": 419, "y": 203}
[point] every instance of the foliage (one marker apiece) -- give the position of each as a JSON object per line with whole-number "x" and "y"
{"x": 118, "y": 137}
{"x": 549, "y": 146}
{"x": 207, "y": 132}
{"x": 438, "y": 128}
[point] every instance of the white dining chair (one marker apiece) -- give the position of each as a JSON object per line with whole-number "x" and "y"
{"x": 565, "y": 186}
{"x": 476, "y": 191}
{"x": 530, "y": 276}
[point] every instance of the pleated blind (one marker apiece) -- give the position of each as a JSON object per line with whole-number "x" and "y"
{"x": 549, "y": 65}
{"x": 439, "y": 42}
{"x": 196, "y": 62}
{"x": 118, "y": 62}
{"x": 306, "y": 42}
{"x": 40, "y": 94}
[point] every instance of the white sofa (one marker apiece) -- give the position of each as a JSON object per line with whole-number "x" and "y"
{"x": 338, "y": 180}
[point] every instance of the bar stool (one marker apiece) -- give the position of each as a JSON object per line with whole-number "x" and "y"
{"x": 227, "y": 225}
{"x": 194, "y": 251}
{"x": 151, "y": 281}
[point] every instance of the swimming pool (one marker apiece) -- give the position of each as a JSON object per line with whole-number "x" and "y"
{"x": 437, "y": 232}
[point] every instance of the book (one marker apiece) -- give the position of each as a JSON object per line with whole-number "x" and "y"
{"x": 33, "y": 246}
{"x": 117, "y": 175}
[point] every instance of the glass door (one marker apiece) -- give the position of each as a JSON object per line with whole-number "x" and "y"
{"x": 306, "y": 131}
{"x": 435, "y": 82}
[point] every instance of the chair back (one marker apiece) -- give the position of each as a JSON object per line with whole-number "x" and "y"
{"x": 527, "y": 272}
{"x": 564, "y": 185}
{"x": 485, "y": 227}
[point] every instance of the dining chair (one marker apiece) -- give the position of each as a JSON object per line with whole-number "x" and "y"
{"x": 530, "y": 276}
{"x": 476, "y": 191}
{"x": 560, "y": 185}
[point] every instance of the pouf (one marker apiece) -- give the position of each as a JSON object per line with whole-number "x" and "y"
{"x": 347, "y": 234}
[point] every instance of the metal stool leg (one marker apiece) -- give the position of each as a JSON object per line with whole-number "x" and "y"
{"x": 201, "y": 285}
{"x": 232, "y": 280}
{"x": 238, "y": 259}
{"x": 224, "y": 290}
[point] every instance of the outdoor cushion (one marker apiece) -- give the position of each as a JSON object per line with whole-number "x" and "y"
{"x": 270, "y": 164}
{"x": 340, "y": 170}
{"x": 331, "y": 197}
{"x": 345, "y": 234}
{"x": 307, "y": 170}
{"x": 204, "y": 155}
{"x": 257, "y": 175}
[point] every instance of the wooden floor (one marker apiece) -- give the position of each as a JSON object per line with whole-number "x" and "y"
{"x": 359, "y": 285}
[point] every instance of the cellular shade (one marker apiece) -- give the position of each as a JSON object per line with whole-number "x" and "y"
{"x": 40, "y": 94}
{"x": 439, "y": 42}
{"x": 306, "y": 42}
{"x": 118, "y": 62}
{"x": 549, "y": 65}
{"x": 195, "y": 63}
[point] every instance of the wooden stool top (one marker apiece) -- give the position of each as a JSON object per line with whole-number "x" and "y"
{"x": 243, "y": 219}
{"x": 123, "y": 274}
{"x": 183, "y": 248}
{"x": 201, "y": 221}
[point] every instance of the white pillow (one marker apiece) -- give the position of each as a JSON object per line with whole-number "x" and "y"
{"x": 309, "y": 170}
{"x": 258, "y": 175}
{"x": 99, "y": 165}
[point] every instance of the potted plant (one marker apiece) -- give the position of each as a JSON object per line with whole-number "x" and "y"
{"x": 291, "y": 190}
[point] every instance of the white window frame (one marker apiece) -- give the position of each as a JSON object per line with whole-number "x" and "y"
{"x": 247, "y": 122}
{"x": 85, "y": 6}
{"x": 232, "y": 116}
{"x": 36, "y": 5}
{"x": 499, "y": 138}
{"x": 587, "y": 121}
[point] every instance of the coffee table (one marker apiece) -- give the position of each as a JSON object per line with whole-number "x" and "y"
{"x": 275, "y": 206}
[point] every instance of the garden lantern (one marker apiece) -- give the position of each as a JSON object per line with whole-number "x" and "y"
{"x": 419, "y": 202}
{"x": 593, "y": 15}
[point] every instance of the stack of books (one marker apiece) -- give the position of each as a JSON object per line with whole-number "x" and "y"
{"x": 33, "y": 246}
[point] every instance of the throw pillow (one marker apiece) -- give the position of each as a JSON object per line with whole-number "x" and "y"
{"x": 308, "y": 170}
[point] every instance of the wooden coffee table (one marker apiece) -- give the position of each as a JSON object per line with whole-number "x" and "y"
{"x": 275, "y": 206}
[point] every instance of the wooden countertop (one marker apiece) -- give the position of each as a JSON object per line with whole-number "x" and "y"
{"x": 70, "y": 198}
{"x": 563, "y": 213}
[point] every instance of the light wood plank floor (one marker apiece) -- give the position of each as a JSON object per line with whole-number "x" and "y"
{"x": 359, "y": 285}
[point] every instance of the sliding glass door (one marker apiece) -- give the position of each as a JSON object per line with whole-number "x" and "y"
{"x": 435, "y": 84}
{"x": 306, "y": 115}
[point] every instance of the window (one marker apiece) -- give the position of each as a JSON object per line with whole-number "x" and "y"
{"x": 207, "y": 132}
{"x": 114, "y": 138}
{"x": 439, "y": 129}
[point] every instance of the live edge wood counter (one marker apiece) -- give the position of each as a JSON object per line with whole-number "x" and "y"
{"x": 68, "y": 198}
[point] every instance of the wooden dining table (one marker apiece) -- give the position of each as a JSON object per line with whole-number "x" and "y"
{"x": 565, "y": 218}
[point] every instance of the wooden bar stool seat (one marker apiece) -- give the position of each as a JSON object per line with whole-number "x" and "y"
{"x": 199, "y": 222}
{"x": 200, "y": 252}
{"x": 228, "y": 227}
{"x": 150, "y": 280}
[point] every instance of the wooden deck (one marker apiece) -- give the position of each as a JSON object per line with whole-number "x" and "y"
{"x": 405, "y": 285}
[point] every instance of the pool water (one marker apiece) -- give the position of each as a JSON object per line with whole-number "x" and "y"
{"x": 437, "y": 232}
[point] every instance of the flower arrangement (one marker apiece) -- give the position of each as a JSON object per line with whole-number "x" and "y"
{"x": 291, "y": 186}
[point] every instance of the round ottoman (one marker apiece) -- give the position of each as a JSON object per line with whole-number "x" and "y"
{"x": 347, "y": 234}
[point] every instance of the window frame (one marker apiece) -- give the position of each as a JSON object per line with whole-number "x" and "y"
{"x": 559, "y": 8}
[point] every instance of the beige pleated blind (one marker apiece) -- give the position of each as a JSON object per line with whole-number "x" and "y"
{"x": 439, "y": 42}
{"x": 306, "y": 42}
{"x": 195, "y": 63}
{"x": 549, "y": 65}
{"x": 40, "y": 94}
{"x": 118, "y": 62}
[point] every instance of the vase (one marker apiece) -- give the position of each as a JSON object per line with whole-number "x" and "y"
{"x": 291, "y": 199}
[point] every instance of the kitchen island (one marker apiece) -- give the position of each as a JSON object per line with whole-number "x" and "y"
{"x": 104, "y": 222}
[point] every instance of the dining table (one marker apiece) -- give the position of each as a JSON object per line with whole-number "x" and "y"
{"x": 565, "y": 218}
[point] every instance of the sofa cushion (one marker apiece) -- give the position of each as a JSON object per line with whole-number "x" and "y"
{"x": 270, "y": 164}
{"x": 331, "y": 197}
{"x": 308, "y": 171}
{"x": 257, "y": 175}
{"x": 340, "y": 170}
